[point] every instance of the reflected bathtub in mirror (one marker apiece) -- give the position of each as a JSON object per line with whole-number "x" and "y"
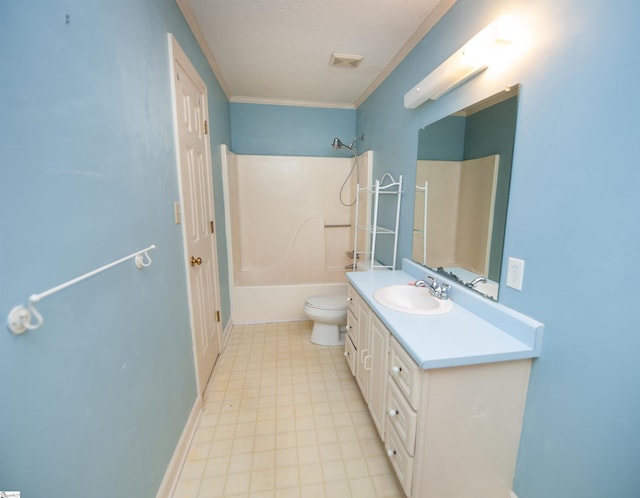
{"x": 465, "y": 162}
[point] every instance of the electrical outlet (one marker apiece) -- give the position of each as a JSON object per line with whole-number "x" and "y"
{"x": 515, "y": 273}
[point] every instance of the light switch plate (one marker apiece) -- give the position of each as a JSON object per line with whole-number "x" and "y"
{"x": 177, "y": 215}
{"x": 515, "y": 273}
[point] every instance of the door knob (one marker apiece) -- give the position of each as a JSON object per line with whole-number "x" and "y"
{"x": 196, "y": 261}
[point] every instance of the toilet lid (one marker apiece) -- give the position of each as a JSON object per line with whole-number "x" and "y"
{"x": 334, "y": 302}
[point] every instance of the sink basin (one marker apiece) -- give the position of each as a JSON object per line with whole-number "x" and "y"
{"x": 411, "y": 299}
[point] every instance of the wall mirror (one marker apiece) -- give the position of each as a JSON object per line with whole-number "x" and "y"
{"x": 463, "y": 172}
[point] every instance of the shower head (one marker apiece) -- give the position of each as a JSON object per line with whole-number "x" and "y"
{"x": 337, "y": 144}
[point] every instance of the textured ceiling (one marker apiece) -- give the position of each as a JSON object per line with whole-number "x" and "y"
{"x": 280, "y": 50}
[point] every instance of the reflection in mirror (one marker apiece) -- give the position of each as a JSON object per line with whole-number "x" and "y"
{"x": 463, "y": 174}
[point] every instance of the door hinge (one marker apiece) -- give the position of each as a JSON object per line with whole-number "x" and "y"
{"x": 212, "y": 227}
{"x": 218, "y": 316}
{"x": 206, "y": 127}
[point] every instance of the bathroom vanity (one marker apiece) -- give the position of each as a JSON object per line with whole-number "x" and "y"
{"x": 446, "y": 392}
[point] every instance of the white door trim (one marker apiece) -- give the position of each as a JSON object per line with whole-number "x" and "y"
{"x": 177, "y": 54}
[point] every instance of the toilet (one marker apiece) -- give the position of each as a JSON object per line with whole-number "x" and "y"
{"x": 329, "y": 315}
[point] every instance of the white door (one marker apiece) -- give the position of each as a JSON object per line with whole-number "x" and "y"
{"x": 196, "y": 194}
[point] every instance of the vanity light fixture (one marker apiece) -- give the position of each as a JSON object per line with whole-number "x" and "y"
{"x": 474, "y": 57}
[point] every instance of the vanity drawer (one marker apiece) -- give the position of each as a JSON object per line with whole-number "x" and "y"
{"x": 350, "y": 355}
{"x": 352, "y": 325}
{"x": 404, "y": 371}
{"x": 401, "y": 461}
{"x": 402, "y": 417}
{"x": 352, "y": 299}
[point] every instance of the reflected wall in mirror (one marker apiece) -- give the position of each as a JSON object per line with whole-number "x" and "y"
{"x": 463, "y": 174}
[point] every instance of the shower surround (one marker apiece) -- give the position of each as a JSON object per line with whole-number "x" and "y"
{"x": 287, "y": 231}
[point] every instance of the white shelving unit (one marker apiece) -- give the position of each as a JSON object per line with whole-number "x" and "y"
{"x": 420, "y": 224}
{"x": 386, "y": 186}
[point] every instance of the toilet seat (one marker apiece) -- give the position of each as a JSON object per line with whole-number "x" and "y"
{"x": 334, "y": 302}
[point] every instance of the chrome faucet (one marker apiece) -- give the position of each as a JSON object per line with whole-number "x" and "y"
{"x": 438, "y": 289}
{"x": 477, "y": 280}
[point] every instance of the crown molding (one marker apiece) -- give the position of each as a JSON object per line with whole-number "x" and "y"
{"x": 285, "y": 102}
{"x": 432, "y": 19}
{"x": 188, "y": 15}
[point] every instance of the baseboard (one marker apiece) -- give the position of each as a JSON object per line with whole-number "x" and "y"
{"x": 172, "y": 473}
{"x": 225, "y": 335}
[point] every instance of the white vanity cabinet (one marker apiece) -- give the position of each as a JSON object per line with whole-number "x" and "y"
{"x": 454, "y": 432}
{"x": 449, "y": 432}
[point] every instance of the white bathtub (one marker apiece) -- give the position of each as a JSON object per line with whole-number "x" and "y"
{"x": 287, "y": 233}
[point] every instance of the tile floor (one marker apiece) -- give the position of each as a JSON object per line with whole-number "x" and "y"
{"x": 284, "y": 418}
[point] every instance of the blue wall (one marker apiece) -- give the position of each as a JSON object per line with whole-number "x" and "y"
{"x": 94, "y": 402}
{"x": 573, "y": 217}
{"x": 276, "y": 130}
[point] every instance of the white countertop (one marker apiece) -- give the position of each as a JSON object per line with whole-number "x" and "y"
{"x": 477, "y": 330}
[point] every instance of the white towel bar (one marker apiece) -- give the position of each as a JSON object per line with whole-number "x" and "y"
{"x": 19, "y": 319}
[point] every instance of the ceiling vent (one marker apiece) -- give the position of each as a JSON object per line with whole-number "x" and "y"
{"x": 345, "y": 60}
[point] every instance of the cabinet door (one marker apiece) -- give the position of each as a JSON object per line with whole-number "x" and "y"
{"x": 379, "y": 351}
{"x": 362, "y": 317}
{"x": 363, "y": 353}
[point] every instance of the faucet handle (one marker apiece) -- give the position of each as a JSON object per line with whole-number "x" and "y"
{"x": 443, "y": 291}
{"x": 432, "y": 281}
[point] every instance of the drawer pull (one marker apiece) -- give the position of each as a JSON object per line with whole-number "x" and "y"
{"x": 393, "y": 413}
{"x": 396, "y": 370}
{"x": 391, "y": 452}
{"x": 349, "y": 299}
{"x": 347, "y": 354}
